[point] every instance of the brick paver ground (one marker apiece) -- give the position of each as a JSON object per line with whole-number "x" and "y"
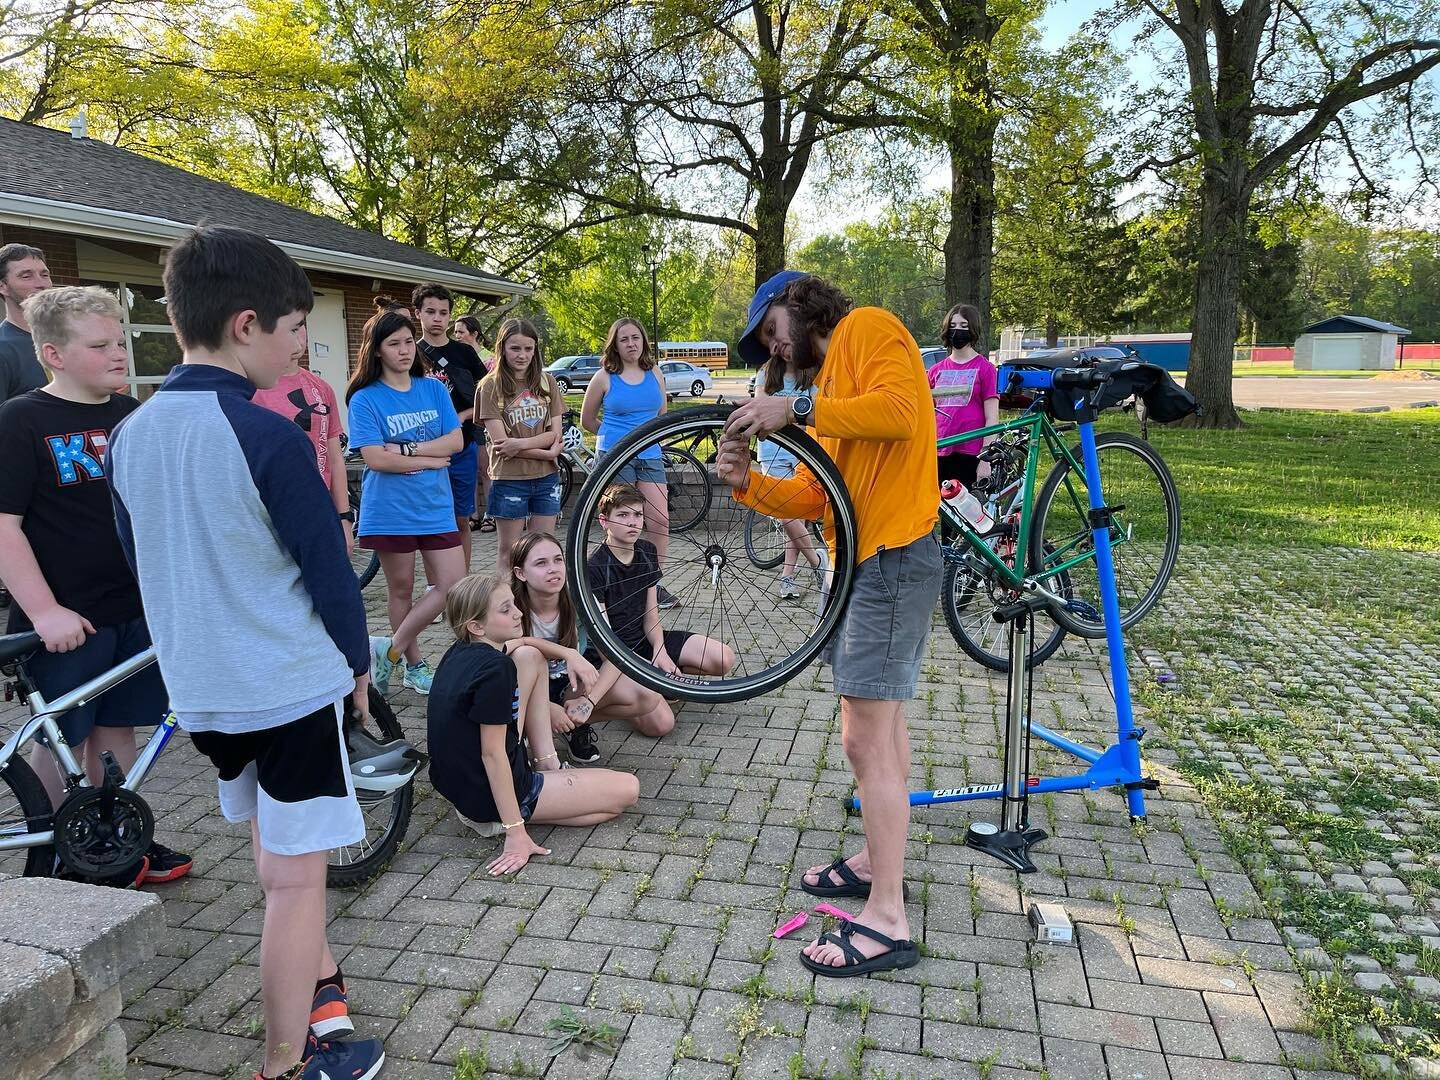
{"x": 659, "y": 923}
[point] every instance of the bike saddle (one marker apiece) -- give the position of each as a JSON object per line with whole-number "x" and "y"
{"x": 16, "y": 647}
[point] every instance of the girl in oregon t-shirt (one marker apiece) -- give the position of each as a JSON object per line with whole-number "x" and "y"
{"x": 520, "y": 404}
{"x": 406, "y": 429}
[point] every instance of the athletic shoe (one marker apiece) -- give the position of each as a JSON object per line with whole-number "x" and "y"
{"x": 359, "y": 1060}
{"x": 665, "y": 599}
{"x": 380, "y": 663}
{"x": 484, "y": 828}
{"x": 788, "y": 588}
{"x": 329, "y": 1012}
{"x": 131, "y": 879}
{"x": 165, "y": 865}
{"x": 418, "y": 677}
{"x": 583, "y": 747}
{"x": 821, "y": 570}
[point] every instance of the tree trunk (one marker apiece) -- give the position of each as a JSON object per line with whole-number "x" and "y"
{"x": 770, "y": 214}
{"x": 1052, "y": 330}
{"x": 969, "y": 243}
{"x": 1224, "y": 209}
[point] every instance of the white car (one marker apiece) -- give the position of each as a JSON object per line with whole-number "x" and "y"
{"x": 682, "y": 377}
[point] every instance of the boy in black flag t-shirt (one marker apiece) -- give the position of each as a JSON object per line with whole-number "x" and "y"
{"x": 60, "y": 555}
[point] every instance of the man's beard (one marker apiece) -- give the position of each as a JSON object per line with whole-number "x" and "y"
{"x": 802, "y": 351}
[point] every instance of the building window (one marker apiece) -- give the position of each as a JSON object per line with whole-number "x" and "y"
{"x": 149, "y": 338}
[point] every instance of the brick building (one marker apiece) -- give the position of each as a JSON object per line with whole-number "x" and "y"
{"x": 106, "y": 216}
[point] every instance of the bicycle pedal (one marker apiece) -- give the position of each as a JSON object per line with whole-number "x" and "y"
{"x": 114, "y": 775}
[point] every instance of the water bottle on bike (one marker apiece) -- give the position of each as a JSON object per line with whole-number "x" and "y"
{"x": 960, "y": 499}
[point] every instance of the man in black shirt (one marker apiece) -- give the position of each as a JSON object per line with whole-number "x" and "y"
{"x": 458, "y": 366}
{"x": 23, "y": 273}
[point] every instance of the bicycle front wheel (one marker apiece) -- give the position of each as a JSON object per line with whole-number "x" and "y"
{"x": 722, "y": 595}
{"x": 386, "y": 816}
{"x": 1144, "y": 537}
{"x": 969, "y": 596}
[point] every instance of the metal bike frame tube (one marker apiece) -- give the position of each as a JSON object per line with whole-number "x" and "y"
{"x": 1114, "y": 637}
{"x": 1054, "y": 738}
{"x": 1011, "y": 815}
{"x": 153, "y": 746}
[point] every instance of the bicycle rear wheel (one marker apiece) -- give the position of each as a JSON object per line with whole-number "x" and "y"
{"x": 566, "y": 473}
{"x": 24, "y": 808}
{"x": 1145, "y": 536}
{"x": 969, "y": 596}
{"x": 688, "y": 487}
{"x": 386, "y": 816}
{"x": 365, "y": 561}
{"x": 764, "y": 540}
{"x": 723, "y": 595}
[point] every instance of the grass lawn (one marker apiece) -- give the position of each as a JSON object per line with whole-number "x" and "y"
{"x": 1309, "y": 478}
{"x": 1289, "y": 371}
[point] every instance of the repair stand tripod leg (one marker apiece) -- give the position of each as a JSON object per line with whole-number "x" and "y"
{"x": 1011, "y": 841}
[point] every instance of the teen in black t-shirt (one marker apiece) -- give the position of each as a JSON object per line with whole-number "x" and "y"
{"x": 624, "y": 573}
{"x": 477, "y": 758}
{"x": 60, "y": 554}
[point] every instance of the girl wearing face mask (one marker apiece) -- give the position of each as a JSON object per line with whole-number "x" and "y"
{"x": 977, "y": 403}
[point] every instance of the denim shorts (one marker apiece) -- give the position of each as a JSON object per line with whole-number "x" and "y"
{"x": 876, "y": 653}
{"x": 640, "y": 471}
{"x": 518, "y": 499}
{"x": 464, "y": 468}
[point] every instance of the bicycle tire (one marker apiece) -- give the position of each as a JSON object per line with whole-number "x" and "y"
{"x": 708, "y": 565}
{"x": 691, "y": 508}
{"x": 1135, "y": 480}
{"x": 365, "y": 569}
{"x": 566, "y": 471}
{"x": 359, "y": 863}
{"x": 980, "y": 637}
{"x": 31, "y": 813}
{"x": 758, "y": 530}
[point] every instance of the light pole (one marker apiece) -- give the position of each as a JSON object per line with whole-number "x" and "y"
{"x": 652, "y": 257}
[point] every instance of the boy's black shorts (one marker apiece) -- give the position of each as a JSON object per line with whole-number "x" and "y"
{"x": 674, "y": 641}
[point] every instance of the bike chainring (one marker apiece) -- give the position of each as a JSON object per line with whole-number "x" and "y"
{"x": 100, "y": 832}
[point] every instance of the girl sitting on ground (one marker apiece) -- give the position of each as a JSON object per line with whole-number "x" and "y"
{"x": 578, "y": 696}
{"x": 477, "y": 757}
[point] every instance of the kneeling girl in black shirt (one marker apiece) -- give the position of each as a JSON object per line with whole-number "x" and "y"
{"x": 477, "y": 757}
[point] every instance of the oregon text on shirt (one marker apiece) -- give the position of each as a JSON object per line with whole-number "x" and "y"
{"x": 527, "y": 410}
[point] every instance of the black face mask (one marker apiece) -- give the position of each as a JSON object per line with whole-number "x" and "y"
{"x": 958, "y": 337}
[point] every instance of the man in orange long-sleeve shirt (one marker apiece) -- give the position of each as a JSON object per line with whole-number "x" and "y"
{"x": 872, "y": 414}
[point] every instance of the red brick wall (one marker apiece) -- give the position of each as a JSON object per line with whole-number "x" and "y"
{"x": 58, "y": 247}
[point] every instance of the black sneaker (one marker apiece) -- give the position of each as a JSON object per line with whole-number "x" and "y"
{"x": 583, "y": 747}
{"x": 665, "y": 599}
{"x": 165, "y": 865}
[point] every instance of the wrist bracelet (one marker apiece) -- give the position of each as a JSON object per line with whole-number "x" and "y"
{"x": 516, "y": 825}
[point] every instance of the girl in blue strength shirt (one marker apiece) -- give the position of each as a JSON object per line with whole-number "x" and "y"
{"x": 628, "y": 392}
{"x": 406, "y": 429}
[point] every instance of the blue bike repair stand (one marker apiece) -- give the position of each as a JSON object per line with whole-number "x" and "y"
{"x": 1118, "y": 765}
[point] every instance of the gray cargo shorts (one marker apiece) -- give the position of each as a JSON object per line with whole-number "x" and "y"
{"x": 876, "y": 653}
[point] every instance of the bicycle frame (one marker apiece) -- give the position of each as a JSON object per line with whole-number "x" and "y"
{"x": 43, "y": 721}
{"x": 1119, "y": 764}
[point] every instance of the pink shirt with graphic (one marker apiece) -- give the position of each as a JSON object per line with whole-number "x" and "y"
{"x": 308, "y": 400}
{"x": 965, "y": 411}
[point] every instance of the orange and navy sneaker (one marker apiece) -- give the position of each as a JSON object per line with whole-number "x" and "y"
{"x": 165, "y": 865}
{"x": 330, "y": 1013}
{"x": 360, "y": 1060}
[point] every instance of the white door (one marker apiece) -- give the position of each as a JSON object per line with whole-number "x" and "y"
{"x": 329, "y": 351}
{"x": 1338, "y": 352}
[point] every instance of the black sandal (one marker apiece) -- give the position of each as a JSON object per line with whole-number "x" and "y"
{"x": 850, "y": 884}
{"x": 487, "y": 525}
{"x": 902, "y": 954}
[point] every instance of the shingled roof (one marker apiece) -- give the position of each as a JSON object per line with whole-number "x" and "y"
{"x": 50, "y": 179}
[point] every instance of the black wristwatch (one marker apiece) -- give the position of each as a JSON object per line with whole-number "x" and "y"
{"x": 802, "y": 406}
{"x": 348, "y": 515}
{"x": 407, "y": 449}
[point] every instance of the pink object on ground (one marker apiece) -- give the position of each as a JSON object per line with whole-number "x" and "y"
{"x": 831, "y": 909}
{"x": 793, "y": 925}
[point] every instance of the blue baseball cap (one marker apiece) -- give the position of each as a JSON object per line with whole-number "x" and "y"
{"x": 751, "y": 351}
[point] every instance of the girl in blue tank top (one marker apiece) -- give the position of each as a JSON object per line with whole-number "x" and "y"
{"x": 628, "y": 392}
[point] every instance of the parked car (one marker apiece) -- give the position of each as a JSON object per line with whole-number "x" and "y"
{"x": 574, "y": 372}
{"x": 681, "y": 377}
{"x": 930, "y": 355}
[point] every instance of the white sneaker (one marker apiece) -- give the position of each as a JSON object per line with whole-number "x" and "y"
{"x": 484, "y": 828}
{"x": 788, "y": 588}
{"x": 821, "y": 570}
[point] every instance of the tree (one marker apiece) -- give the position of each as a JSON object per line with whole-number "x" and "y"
{"x": 1267, "y": 82}
{"x": 710, "y": 113}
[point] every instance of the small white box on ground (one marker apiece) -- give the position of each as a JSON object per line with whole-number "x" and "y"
{"x": 1051, "y": 923}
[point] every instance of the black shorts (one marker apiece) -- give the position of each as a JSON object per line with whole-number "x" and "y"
{"x": 293, "y": 780}
{"x": 674, "y": 642}
{"x": 559, "y": 688}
